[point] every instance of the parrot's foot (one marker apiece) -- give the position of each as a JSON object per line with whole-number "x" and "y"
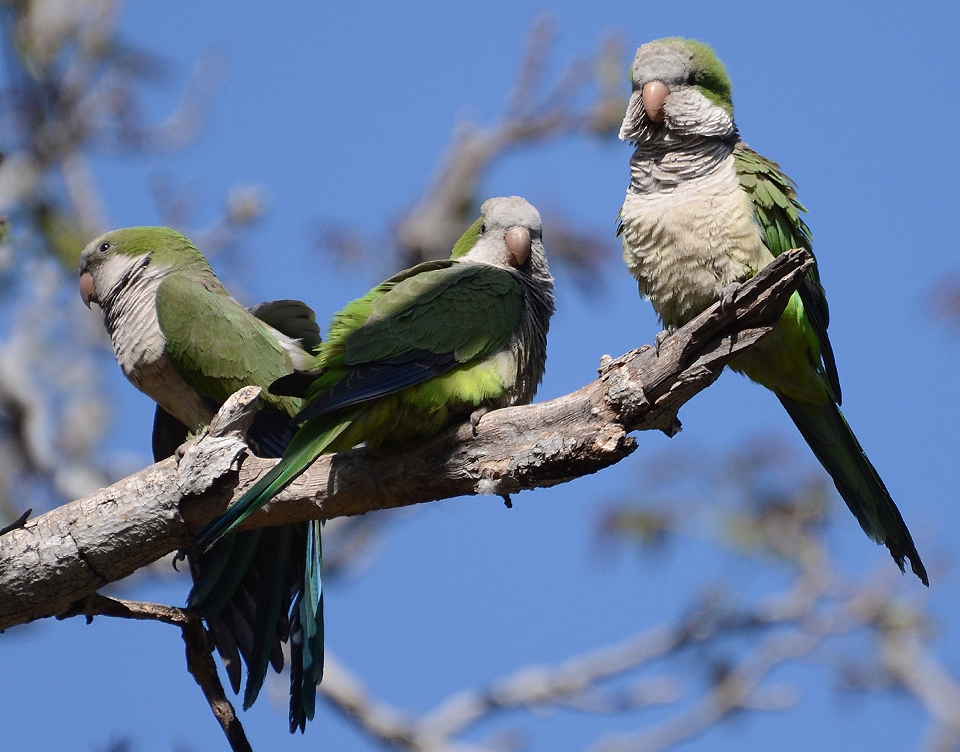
{"x": 728, "y": 295}
{"x": 506, "y": 501}
{"x": 475, "y": 417}
{"x": 659, "y": 339}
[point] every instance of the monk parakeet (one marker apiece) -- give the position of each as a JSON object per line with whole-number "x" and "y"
{"x": 430, "y": 346}
{"x": 704, "y": 212}
{"x": 182, "y": 340}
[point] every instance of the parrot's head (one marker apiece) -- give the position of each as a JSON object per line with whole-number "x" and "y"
{"x": 680, "y": 88}
{"x": 117, "y": 258}
{"x": 507, "y": 234}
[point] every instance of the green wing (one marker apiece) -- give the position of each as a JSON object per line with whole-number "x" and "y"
{"x": 777, "y": 211}
{"x": 775, "y": 200}
{"x": 217, "y": 345}
{"x": 412, "y": 328}
{"x": 468, "y": 309}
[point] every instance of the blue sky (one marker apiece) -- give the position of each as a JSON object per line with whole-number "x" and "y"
{"x": 341, "y": 111}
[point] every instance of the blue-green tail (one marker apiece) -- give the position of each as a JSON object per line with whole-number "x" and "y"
{"x": 306, "y": 638}
{"x": 826, "y": 431}
{"x": 279, "y": 571}
{"x": 263, "y": 587}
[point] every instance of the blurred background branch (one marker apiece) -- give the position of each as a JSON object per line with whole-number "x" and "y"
{"x": 750, "y": 503}
{"x": 71, "y": 89}
{"x": 587, "y": 99}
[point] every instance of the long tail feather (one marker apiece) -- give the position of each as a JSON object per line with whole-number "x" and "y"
{"x": 268, "y": 614}
{"x": 826, "y": 431}
{"x": 306, "y": 638}
{"x": 302, "y": 451}
{"x": 215, "y": 582}
{"x": 259, "y": 588}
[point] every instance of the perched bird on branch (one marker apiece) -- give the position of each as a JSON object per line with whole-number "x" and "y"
{"x": 442, "y": 342}
{"x": 703, "y": 212}
{"x": 183, "y": 341}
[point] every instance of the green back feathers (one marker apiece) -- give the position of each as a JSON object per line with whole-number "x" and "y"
{"x": 216, "y": 344}
{"x": 357, "y": 312}
{"x": 467, "y": 310}
{"x": 438, "y": 314}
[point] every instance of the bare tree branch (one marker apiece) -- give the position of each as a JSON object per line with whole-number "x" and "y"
{"x": 913, "y": 665}
{"x": 199, "y": 648}
{"x": 792, "y": 624}
{"x": 381, "y": 722}
{"x": 64, "y": 555}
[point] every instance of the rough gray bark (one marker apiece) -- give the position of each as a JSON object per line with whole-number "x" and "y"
{"x": 59, "y": 558}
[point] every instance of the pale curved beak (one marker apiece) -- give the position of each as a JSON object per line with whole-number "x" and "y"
{"x": 654, "y": 95}
{"x": 518, "y": 243}
{"x": 87, "y": 294}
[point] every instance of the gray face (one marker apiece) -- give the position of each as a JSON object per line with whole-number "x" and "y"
{"x": 511, "y": 235}
{"x": 684, "y": 111}
{"x": 95, "y": 259}
{"x": 103, "y": 270}
{"x": 668, "y": 62}
{"x": 511, "y": 210}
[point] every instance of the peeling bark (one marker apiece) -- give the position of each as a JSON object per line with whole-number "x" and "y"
{"x": 63, "y": 556}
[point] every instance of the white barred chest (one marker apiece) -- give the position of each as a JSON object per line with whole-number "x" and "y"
{"x": 685, "y": 243}
{"x": 140, "y": 349}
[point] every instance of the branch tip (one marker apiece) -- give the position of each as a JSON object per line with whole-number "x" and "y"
{"x": 237, "y": 413}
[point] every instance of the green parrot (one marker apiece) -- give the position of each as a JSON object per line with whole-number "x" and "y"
{"x": 703, "y": 212}
{"x": 431, "y": 346}
{"x": 182, "y": 340}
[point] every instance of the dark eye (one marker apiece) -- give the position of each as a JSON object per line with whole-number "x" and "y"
{"x": 483, "y": 229}
{"x": 104, "y": 247}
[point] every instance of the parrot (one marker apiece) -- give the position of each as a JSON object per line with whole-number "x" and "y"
{"x": 440, "y": 343}
{"x": 703, "y": 212}
{"x": 182, "y": 340}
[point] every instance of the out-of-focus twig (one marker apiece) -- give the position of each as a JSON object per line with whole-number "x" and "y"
{"x": 797, "y": 623}
{"x": 536, "y": 112}
{"x": 944, "y": 300}
{"x": 786, "y": 627}
{"x": 72, "y": 88}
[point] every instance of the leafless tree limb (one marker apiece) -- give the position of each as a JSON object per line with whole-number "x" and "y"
{"x": 383, "y": 723}
{"x": 912, "y": 665}
{"x": 791, "y": 625}
{"x": 199, "y": 650}
{"x": 63, "y": 556}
